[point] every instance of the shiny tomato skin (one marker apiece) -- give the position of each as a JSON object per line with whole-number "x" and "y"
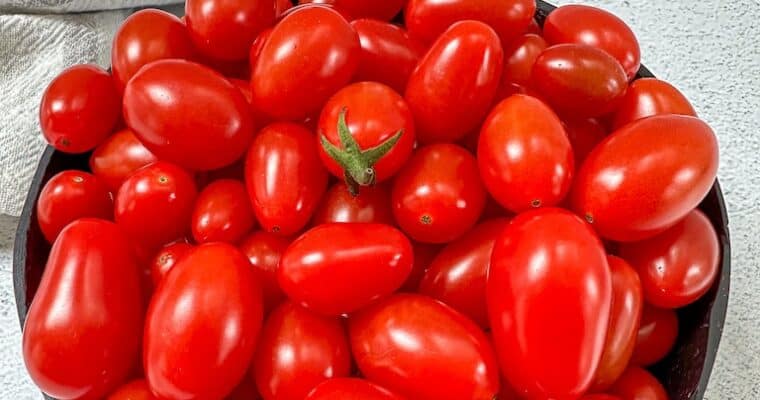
{"x": 519, "y": 57}
{"x": 121, "y": 154}
{"x": 380, "y": 10}
{"x": 458, "y": 274}
{"x": 647, "y": 97}
{"x": 579, "y": 80}
{"x": 453, "y": 85}
{"x": 79, "y": 109}
{"x": 656, "y": 336}
{"x": 81, "y": 337}
{"x": 350, "y": 389}
{"x": 645, "y": 177}
{"x": 210, "y": 303}
{"x": 68, "y": 196}
{"x": 166, "y": 259}
{"x": 524, "y": 155}
{"x": 592, "y": 26}
{"x": 284, "y": 153}
{"x": 450, "y": 350}
{"x": 338, "y": 268}
{"x": 222, "y": 213}
{"x": 293, "y": 82}
{"x": 549, "y": 295}
{"x": 438, "y": 195}
{"x": 584, "y": 135}
{"x": 371, "y": 205}
{"x": 264, "y": 251}
{"x": 298, "y": 350}
{"x": 134, "y": 390}
{"x": 638, "y": 384}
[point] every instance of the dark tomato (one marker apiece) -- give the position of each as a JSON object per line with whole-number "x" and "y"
{"x": 424, "y": 254}
{"x": 647, "y": 97}
{"x": 166, "y": 259}
{"x": 79, "y": 109}
{"x": 438, "y": 195}
{"x": 222, "y": 213}
{"x": 656, "y": 335}
{"x": 371, "y": 204}
{"x": 549, "y": 295}
{"x": 68, "y": 196}
{"x": 638, "y": 384}
{"x": 599, "y": 396}
{"x": 82, "y": 335}
{"x": 381, "y": 10}
{"x": 119, "y": 156}
{"x": 454, "y": 84}
{"x": 534, "y": 28}
{"x": 280, "y": 6}
{"x": 350, "y": 389}
{"x": 245, "y": 390}
{"x": 264, "y": 251}
{"x": 259, "y": 118}
{"x": 519, "y": 58}
{"x": 584, "y": 135}
{"x": 135, "y": 390}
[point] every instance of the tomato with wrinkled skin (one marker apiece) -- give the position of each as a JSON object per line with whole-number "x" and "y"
{"x": 222, "y": 213}
{"x": 372, "y": 204}
{"x": 264, "y": 251}
{"x": 162, "y": 103}
{"x": 79, "y": 109}
{"x": 68, "y": 196}
{"x": 298, "y": 350}
{"x": 452, "y": 87}
{"x": 549, "y": 295}
{"x": 645, "y": 177}
{"x": 81, "y": 337}
{"x": 210, "y": 304}
{"x": 647, "y": 97}
{"x": 524, "y": 155}
{"x": 338, "y": 268}
{"x": 350, "y": 389}
{"x": 638, "y": 384}
{"x": 284, "y": 152}
{"x": 584, "y": 135}
{"x": 424, "y": 253}
{"x": 438, "y": 195}
{"x": 121, "y": 154}
{"x": 135, "y": 390}
{"x": 380, "y": 10}
{"x": 166, "y": 259}
{"x": 656, "y": 336}
{"x": 519, "y": 57}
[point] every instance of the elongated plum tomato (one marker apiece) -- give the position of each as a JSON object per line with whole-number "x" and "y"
{"x": 656, "y": 336}
{"x": 134, "y": 390}
{"x": 121, "y": 154}
{"x": 293, "y": 82}
{"x": 211, "y": 302}
{"x": 648, "y": 97}
{"x": 371, "y": 204}
{"x": 222, "y": 213}
{"x": 339, "y": 268}
{"x": 350, "y": 389}
{"x": 88, "y": 347}
{"x": 646, "y": 177}
{"x": 424, "y": 350}
{"x": 549, "y": 296}
{"x": 381, "y": 10}
{"x": 264, "y": 251}
{"x": 162, "y": 103}
{"x": 454, "y": 84}
{"x": 637, "y": 383}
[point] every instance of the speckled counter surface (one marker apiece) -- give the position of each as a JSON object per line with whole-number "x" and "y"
{"x": 710, "y": 50}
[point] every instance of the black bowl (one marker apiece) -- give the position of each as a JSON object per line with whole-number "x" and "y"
{"x": 685, "y": 372}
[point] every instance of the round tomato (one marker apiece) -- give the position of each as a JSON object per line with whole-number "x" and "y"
{"x": 264, "y": 251}
{"x": 371, "y": 204}
{"x": 121, "y": 154}
{"x": 135, "y": 390}
{"x": 638, "y": 384}
{"x": 657, "y": 335}
{"x": 648, "y": 97}
{"x": 222, "y": 213}
{"x": 381, "y": 10}
{"x": 549, "y": 296}
{"x": 350, "y": 389}
{"x": 519, "y": 58}
{"x": 584, "y": 135}
{"x": 166, "y": 259}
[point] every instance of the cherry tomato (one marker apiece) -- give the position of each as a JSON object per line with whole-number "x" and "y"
{"x": 79, "y": 109}
{"x": 452, "y": 87}
{"x": 592, "y": 26}
{"x": 379, "y": 137}
{"x": 245, "y": 390}
{"x": 657, "y": 335}
{"x": 371, "y": 204}
{"x": 424, "y": 254}
{"x": 457, "y": 275}
{"x": 350, "y": 389}
{"x": 285, "y": 177}
{"x": 549, "y": 296}
{"x": 579, "y": 80}
{"x": 146, "y": 36}
{"x": 638, "y": 384}
{"x": 647, "y": 97}
{"x": 135, "y": 390}
{"x": 154, "y": 205}
{"x": 646, "y": 177}
{"x": 338, "y": 268}
{"x": 297, "y": 351}
{"x": 381, "y": 10}
{"x": 584, "y": 135}
{"x": 202, "y": 324}
{"x": 519, "y": 58}
{"x": 281, "y": 6}
{"x": 534, "y": 28}
{"x": 293, "y": 82}
{"x": 222, "y": 213}
{"x": 82, "y": 334}
{"x": 388, "y": 54}
{"x": 625, "y": 315}
{"x": 424, "y": 350}
{"x": 68, "y": 196}
{"x": 225, "y": 29}
{"x": 166, "y": 259}
{"x": 438, "y": 195}
{"x": 119, "y": 156}
{"x": 524, "y": 156}
{"x": 264, "y": 251}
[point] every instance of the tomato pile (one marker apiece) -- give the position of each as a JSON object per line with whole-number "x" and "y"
{"x": 313, "y": 202}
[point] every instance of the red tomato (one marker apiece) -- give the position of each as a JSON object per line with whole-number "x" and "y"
{"x": 264, "y": 251}
{"x": 245, "y": 390}
{"x": 135, "y": 390}
{"x": 457, "y": 275}
{"x": 388, "y": 54}
{"x": 82, "y": 334}
{"x": 68, "y": 196}
{"x": 79, "y": 109}
{"x": 293, "y": 82}
{"x": 657, "y": 335}
{"x": 285, "y": 177}
{"x": 297, "y": 351}
{"x": 549, "y": 296}
{"x": 453, "y": 86}
{"x": 638, "y": 384}
{"x": 338, "y": 268}
{"x": 154, "y": 205}
{"x": 166, "y": 259}
{"x": 202, "y": 324}
{"x": 222, "y": 213}
{"x": 524, "y": 156}
{"x": 647, "y": 97}
{"x": 225, "y": 29}
{"x": 598, "y": 396}
{"x": 350, "y": 389}
{"x": 646, "y": 177}
{"x": 366, "y": 133}
{"x": 625, "y": 315}
{"x": 426, "y": 19}
{"x": 579, "y": 80}
{"x": 584, "y": 135}
{"x": 423, "y": 350}
{"x": 438, "y": 195}
{"x": 519, "y": 58}
{"x": 121, "y": 154}
{"x": 424, "y": 254}
{"x": 371, "y": 204}
{"x": 383, "y": 10}
{"x": 146, "y": 36}
{"x": 534, "y": 28}
{"x": 280, "y": 6}
{"x": 592, "y": 26}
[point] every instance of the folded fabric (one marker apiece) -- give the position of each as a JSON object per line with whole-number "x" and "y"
{"x": 68, "y": 6}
